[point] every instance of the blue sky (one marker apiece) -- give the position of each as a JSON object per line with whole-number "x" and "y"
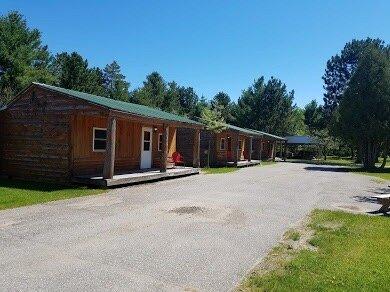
{"x": 209, "y": 45}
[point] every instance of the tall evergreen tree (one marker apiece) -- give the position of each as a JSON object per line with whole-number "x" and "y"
{"x": 152, "y": 93}
{"x": 188, "y": 100}
{"x": 313, "y": 116}
{"x": 364, "y": 113}
{"x": 340, "y": 68}
{"x": 115, "y": 83}
{"x": 72, "y": 72}
{"x": 23, "y": 58}
{"x": 266, "y": 106}
{"x": 223, "y": 102}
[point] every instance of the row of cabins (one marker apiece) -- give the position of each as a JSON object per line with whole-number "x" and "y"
{"x": 54, "y": 134}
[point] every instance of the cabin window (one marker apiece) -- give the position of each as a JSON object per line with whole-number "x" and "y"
{"x": 160, "y": 141}
{"x": 99, "y": 139}
{"x": 147, "y": 140}
{"x": 222, "y": 144}
{"x": 239, "y": 144}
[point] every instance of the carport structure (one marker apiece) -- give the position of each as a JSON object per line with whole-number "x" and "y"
{"x": 303, "y": 141}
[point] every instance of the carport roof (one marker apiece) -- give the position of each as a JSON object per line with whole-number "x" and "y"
{"x": 303, "y": 140}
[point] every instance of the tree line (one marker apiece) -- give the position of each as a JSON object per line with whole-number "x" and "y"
{"x": 354, "y": 117}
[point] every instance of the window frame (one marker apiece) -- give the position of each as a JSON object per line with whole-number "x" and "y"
{"x": 239, "y": 144}
{"x": 224, "y": 144}
{"x": 99, "y": 139}
{"x": 159, "y": 142}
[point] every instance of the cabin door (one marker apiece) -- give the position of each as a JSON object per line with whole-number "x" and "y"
{"x": 146, "y": 148}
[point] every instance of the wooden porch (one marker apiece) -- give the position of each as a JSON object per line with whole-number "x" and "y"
{"x": 136, "y": 176}
{"x": 244, "y": 163}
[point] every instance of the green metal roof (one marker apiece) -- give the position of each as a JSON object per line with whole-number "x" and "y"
{"x": 122, "y": 106}
{"x": 242, "y": 130}
{"x": 270, "y": 135}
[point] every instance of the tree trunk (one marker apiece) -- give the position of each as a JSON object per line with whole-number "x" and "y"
{"x": 370, "y": 155}
{"x": 385, "y": 153}
{"x": 359, "y": 154}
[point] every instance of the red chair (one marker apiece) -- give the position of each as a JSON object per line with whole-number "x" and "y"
{"x": 178, "y": 159}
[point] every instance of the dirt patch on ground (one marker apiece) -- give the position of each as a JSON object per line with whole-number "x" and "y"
{"x": 293, "y": 241}
{"x": 353, "y": 208}
{"x": 188, "y": 210}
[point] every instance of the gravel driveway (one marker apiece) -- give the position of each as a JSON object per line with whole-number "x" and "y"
{"x": 201, "y": 232}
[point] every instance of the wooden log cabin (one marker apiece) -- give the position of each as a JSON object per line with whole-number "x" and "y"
{"x": 54, "y": 134}
{"x": 234, "y": 146}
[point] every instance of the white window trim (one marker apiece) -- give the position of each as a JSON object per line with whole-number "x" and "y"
{"x": 224, "y": 144}
{"x": 93, "y": 139}
{"x": 159, "y": 141}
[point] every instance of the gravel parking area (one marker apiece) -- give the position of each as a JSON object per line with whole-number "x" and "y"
{"x": 201, "y": 232}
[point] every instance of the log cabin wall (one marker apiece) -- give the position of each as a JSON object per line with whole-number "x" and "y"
{"x": 2, "y": 135}
{"x": 222, "y": 155}
{"x": 127, "y": 149}
{"x": 267, "y": 149}
{"x": 185, "y": 146}
{"x": 172, "y": 140}
{"x": 36, "y": 130}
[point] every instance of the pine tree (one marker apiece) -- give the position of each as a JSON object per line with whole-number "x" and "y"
{"x": 116, "y": 86}
{"x": 23, "y": 58}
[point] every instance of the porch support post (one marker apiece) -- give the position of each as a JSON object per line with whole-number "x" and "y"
{"x": 273, "y": 150}
{"x": 196, "y": 149}
{"x": 261, "y": 149}
{"x": 109, "y": 157}
{"x": 235, "y": 148}
{"x": 285, "y": 151}
{"x": 250, "y": 149}
{"x": 281, "y": 149}
{"x": 164, "y": 150}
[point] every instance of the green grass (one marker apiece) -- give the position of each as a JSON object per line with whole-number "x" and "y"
{"x": 293, "y": 235}
{"x": 15, "y": 193}
{"x": 267, "y": 162}
{"x": 381, "y": 174}
{"x": 227, "y": 169}
{"x": 219, "y": 170}
{"x": 352, "y": 255}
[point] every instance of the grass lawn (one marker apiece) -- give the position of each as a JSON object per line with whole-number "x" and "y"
{"x": 219, "y": 170}
{"x": 265, "y": 163}
{"x": 15, "y": 193}
{"x": 225, "y": 169}
{"x": 348, "y": 252}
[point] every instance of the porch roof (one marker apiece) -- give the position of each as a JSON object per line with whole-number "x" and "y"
{"x": 126, "y": 107}
{"x": 271, "y": 135}
{"x": 243, "y": 130}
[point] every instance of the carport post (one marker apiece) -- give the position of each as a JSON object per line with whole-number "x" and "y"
{"x": 109, "y": 155}
{"x": 164, "y": 150}
{"x": 285, "y": 151}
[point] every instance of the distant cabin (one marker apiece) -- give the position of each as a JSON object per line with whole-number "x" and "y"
{"x": 234, "y": 146}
